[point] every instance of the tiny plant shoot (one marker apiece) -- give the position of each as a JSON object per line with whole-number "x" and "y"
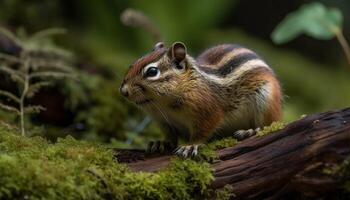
{"x": 36, "y": 65}
{"x": 314, "y": 20}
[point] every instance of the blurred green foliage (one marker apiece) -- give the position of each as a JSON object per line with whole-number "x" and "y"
{"x": 313, "y": 19}
{"x": 104, "y": 48}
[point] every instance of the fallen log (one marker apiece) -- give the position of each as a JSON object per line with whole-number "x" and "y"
{"x": 288, "y": 162}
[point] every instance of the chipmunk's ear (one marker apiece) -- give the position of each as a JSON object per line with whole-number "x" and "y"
{"x": 177, "y": 51}
{"x": 159, "y": 45}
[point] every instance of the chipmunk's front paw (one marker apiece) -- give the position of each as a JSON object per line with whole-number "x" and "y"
{"x": 159, "y": 147}
{"x": 187, "y": 150}
{"x": 244, "y": 134}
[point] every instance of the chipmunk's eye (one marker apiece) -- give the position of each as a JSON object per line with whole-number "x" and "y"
{"x": 152, "y": 72}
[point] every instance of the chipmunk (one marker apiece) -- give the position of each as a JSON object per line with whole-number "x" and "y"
{"x": 227, "y": 91}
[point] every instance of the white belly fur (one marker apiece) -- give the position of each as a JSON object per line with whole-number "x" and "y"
{"x": 247, "y": 116}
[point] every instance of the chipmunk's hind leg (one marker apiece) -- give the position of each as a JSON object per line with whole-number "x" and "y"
{"x": 244, "y": 134}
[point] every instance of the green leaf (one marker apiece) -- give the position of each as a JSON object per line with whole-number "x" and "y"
{"x": 314, "y": 20}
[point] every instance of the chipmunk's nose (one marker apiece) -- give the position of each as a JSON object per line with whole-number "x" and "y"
{"x": 124, "y": 90}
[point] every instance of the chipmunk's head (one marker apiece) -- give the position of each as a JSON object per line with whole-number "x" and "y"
{"x": 158, "y": 76}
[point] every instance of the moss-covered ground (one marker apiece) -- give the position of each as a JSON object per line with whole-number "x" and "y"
{"x": 33, "y": 168}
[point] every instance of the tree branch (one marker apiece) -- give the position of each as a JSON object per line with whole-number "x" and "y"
{"x": 34, "y": 88}
{"x": 49, "y": 74}
{"x": 9, "y": 108}
{"x": 52, "y": 65}
{"x": 15, "y": 75}
{"x": 33, "y": 109}
{"x": 291, "y": 161}
{"x": 10, "y": 36}
{"x": 10, "y": 96}
{"x": 10, "y": 58}
{"x": 47, "y": 33}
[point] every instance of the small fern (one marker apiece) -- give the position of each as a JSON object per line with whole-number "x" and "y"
{"x": 38, "y": 63}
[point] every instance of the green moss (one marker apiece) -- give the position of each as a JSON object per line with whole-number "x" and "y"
{"x": 33, "y": 168}
{"x": 184, "y": 179}
{"x": 342, "y": 173}
{"x": 208, "y": 151}
{"x": 275, "y": 126}
{"x": 225, "y": 193}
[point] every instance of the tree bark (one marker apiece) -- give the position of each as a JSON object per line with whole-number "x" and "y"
{"x": 288, "y": 162}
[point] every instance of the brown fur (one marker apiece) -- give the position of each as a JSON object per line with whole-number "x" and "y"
{"x": 214, "y": 55}
{"x": 206, "y": 112}
{"x": 197, "y": 106}
{"x": 274, "y": 110}
{"x": 274, "y": 113}
{"x": 256, "y": 79}
{"x": 142, "y": 62}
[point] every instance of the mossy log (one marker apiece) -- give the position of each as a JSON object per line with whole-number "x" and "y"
{"x": 288, "y": 162}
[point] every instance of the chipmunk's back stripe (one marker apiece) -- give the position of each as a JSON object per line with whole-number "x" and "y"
{"x": 230, "y": 65}
{"x": 137, "y": 67}
{"x": 215, "y": 54}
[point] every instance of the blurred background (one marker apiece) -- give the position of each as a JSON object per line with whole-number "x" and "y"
{"x": 314, "y": 74}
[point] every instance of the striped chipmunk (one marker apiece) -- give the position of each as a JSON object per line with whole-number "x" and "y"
{"x": 227, "y": 91}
